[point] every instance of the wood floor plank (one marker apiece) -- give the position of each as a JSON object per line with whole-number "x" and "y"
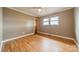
{"x": 38, "y": 43}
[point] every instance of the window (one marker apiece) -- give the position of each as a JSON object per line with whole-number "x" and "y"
{"x": 54, "y": 20}
{"x": 46, "y": 21}
{"x": 51, "y": 21}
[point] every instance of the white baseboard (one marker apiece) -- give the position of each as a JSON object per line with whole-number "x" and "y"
{"x": 17, "y": 37}
{"x": 60, "y": 37}
{"x": 56, "y": 35}
{"x": 14, "y": 39}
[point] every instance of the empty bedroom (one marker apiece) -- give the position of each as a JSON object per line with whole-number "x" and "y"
{"x": 40, "y": 29}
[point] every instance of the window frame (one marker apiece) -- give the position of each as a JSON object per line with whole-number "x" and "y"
{"x": 46, "y": 21}
{"x": 53, "y": 21}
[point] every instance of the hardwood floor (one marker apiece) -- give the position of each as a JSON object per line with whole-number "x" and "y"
{"x": 38, "y": 43}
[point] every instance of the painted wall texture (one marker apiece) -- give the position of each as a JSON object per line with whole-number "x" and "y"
{"x": 0, "y": 25}
{"x": 77, "y": 23}
{"x": 66, "y": 25}
{"x": 16, "y": 24}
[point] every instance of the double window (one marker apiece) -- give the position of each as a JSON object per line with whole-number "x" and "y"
{"x": 51, "y": 21}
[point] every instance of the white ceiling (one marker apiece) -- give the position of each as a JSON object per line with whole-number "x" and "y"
{"x": 33, "y": 11}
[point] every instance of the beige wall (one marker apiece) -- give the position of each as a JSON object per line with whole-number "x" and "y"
{"x": 77, "y": 24}
{"x": 65, "y": 27}
{"x": 0, "y": 25}
{"x": 16, "y": 24}
{"x": 37, "y": 24}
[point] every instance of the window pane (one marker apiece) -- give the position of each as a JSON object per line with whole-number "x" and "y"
{"x": 54, "y": 22}
{"x": 47, "y": 19}
{"x": 54, "y": 18}
{"x": 45, "y": 23}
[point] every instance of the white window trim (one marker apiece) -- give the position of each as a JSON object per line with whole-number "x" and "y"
{"x": 49, "y": 21}
{"x": 54, "y": 20}
{"x": 46, "y": 21}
